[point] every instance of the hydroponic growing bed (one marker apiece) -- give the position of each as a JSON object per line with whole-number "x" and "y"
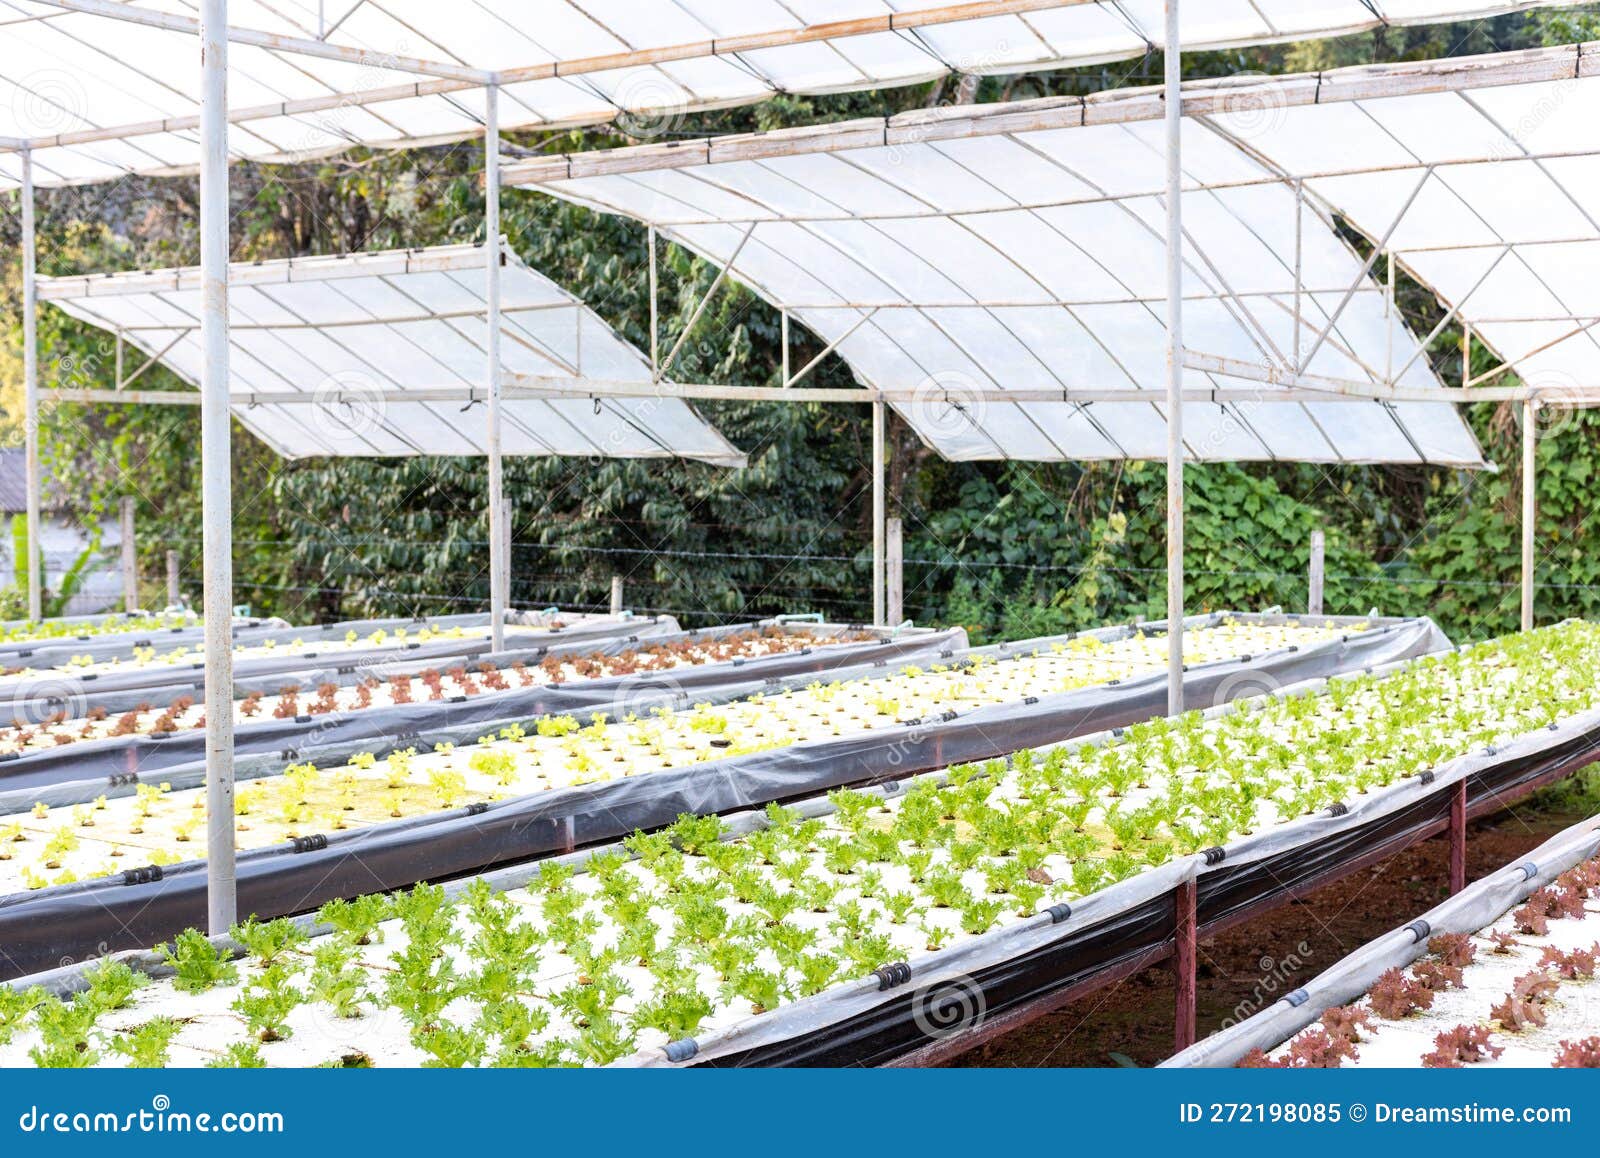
{"x": 1502, "y": 974}
{"x": 716, "y": 940}
{"x": 141, "y": 903}
{"x": 172, "y": 652}
{"x": 407, "y": 708}
{"x": 22, "y": 632}
{"x": 562, "y": 751}
{"x": 430, "y": 684}
{"x": 268, "y": 658}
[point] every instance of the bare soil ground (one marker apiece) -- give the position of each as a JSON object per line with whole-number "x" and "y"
{"x": 1251, "y": 966}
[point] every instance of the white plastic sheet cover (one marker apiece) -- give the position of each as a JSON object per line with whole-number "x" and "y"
{"x": 64, "y": 73}
{"x": 1505, "y": 221}
{"x": 352, "y": 331}
{"x": 1033, "y": 259}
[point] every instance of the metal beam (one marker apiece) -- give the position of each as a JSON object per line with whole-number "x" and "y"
{"x": 122, "y": 382}
{"x": 1299, "y": 268}
{"x": 1513, "y": 363}
{"x": 711, "y": 291}
{"x": 655, "y": 324}
{"x": 518, "y": 387}
{"x": 499, "y": 569}
{"x": 1172, "y": 92}
{"x": 1200, "y": 99}
{"x": 878, "y": 511}
{"x": 216, "y": 467}
{"x": 30, "y": 394}
{"x": 134, "y": 14}
{"x": 789, "y": 380}
{"x": 1530, "y": 411}
{"x": 1449, "y": 316}
{"x": 1366, "y": 269}
{"x": 890, "y": 23}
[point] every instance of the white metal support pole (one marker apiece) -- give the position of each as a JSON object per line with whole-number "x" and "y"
{"x": 130, "y": 558}
{"x": 505, "y": 548}
{"x": 30, "y": 395}
{"x": 895, "y": 594}
{"x": 216, "y": 466}
{"x": 783, "y": 327}
{"x": 1388, "y": 324}
{"x": 498, "y": 571}
{"x": 1299, "y": 264}
{"x": 174, "y": 590}
{"x": 1318, "y": 548}
{"x": 616, "y": 595}
{"x": 878, "y": 504}
{"x": 1530, "y": 409}
{"x": 1172, "y": 91}
{"x": 655, "y": 325}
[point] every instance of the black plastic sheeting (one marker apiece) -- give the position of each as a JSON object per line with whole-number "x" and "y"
{"x": 879, "y": 1037}
{"x": 75, "y": 773}
{"x": 103, "y": 645}
{"x": 37, "y": 929}
{"x": 895, "y": 1028}
{"x": 245, "y": 632}
{"x": 39, "y": 695}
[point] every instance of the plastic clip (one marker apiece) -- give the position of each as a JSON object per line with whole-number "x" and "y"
{"x": 893, "y": 974}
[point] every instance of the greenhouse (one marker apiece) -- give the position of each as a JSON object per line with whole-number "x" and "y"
{"x": 725, "y": 535}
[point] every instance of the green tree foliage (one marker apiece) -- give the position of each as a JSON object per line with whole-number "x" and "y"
{"x": 1008, "y": 548}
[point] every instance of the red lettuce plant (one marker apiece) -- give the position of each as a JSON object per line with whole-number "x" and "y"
{"x": 1394, "y": 995}
{"x": 1525, "y": 1004}
{"x": 1463, "y": 1045}
{"x": 1582, "y": 1054}
{"x": 1453, "y": 949}
{"x": 1574, "y": 965}
{"x": 1438, "y": 976}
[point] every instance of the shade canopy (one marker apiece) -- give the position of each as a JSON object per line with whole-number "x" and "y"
{"x": 1490, "y": 197}
{"x": 1025, "y": 258}
{"x": 98, "y": 97}
{"x": 356, "y": 334}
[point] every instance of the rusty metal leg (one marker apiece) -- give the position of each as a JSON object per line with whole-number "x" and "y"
{"x": 1458, "y": 838}
{"x": 1183, "y": 966}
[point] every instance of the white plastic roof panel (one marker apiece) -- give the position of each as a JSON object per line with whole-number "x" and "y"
{"x": 1505, "y": 226}
{"x": 976, "y": 282}
{"x": 66, "y": 72}
{"x": 361, "y": 330}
